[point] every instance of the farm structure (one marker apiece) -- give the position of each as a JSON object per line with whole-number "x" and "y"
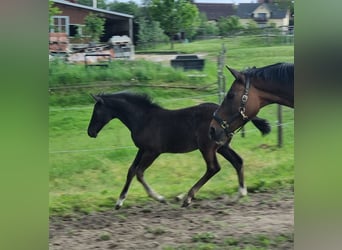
{"x": 71, "y": 20}
{"x": 67, "y": 32}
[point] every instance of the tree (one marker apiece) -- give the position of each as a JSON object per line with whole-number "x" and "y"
{"x": 94, "y": 26}
{"x": 100, "y": 3}
{"x": 175, "y": 16}
{"x": 285, "y": 4}
{"x": 229, "y": 25}
{"x": 206, "y": 28}
{"x": 150, "y": 32}
{"x": 252, "y": 28}
{"x": 53, "y": 10}
{"x": 130, "y": 8}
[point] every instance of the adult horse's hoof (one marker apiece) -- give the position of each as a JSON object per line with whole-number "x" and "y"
{"x": 186, "y": 203}
{"x": 117, "y": 207}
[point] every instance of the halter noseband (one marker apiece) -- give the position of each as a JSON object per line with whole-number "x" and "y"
{"x": 225, "y": 124}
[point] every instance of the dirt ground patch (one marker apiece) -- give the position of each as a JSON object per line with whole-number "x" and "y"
{"x": 262, "y": 219}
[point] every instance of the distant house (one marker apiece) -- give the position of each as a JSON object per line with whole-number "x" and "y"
{"x": 263, "y": 14}
{"x": 214, "y": 11}
{"x": 71, "y": 20}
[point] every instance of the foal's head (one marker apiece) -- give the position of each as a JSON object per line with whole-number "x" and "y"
{"x": 239, "y": 105}
{"x": 100, "y": 117}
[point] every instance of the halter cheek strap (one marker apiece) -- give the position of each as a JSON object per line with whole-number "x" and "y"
{"x": 225, "y": 124}
{"x": 244, "y": 100}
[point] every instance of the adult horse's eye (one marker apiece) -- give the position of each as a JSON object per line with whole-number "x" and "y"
{"x": 230, "y": 95}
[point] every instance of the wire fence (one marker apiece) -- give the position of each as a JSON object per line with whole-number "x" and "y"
{"x": 275, "y": 123}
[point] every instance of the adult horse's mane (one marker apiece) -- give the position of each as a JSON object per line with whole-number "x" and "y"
{"x": 281, "y": 72}
{"x": 141, "y": 100}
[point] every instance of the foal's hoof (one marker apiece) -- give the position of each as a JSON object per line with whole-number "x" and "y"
{"x": 180, "y": 197}
{"x": 163, "y": 201}
{"x": 117, "y": 207}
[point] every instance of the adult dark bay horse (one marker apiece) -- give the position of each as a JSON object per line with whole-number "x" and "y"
{"x": 156, "y": 130}
{"x": 251, "y": 90}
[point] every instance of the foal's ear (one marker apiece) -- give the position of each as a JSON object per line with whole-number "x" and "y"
{"x": 235, "y": 73}
{"x": 97, "y": 98}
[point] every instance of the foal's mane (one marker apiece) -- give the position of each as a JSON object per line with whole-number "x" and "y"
{"x": 141, "y": 100}
{"x": 283, "y": 72}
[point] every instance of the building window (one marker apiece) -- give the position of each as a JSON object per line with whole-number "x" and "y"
{"x": 262, "y": 16}
{"x": 60, "y": 24}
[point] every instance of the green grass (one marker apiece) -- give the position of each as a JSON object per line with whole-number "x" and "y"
{"x": 88, "y": 174}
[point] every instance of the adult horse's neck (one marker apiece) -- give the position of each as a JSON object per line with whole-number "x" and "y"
{"x": 274, "y": 83}
{"x": 275, "y": 92}
{"x": 271, "y": 93}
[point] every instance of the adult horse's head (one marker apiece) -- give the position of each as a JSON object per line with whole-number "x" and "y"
{"x": 100, "y": 117}
{"x": 251, "y": 90}
{"x": 239, "y": 105}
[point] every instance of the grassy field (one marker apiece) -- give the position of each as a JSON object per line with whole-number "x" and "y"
{"x": 88, "y": 174}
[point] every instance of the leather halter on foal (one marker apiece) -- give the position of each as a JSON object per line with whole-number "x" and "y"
{"x": 225, "y": 124}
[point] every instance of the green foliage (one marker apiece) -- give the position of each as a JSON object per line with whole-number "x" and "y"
{"x": 130, "y": 8}
{"x": 150, "y": 33}
{"x": 101, "y": 4}
{"x": 206, "y": 237}
{"x": 252, "y": 28}
{"x": 206, "y": 28}
{"x": 128, "y": 72}
{"x": 285, "y": 4}
{"x": 53, "y": 10}
{"x": 258, "y": 241}
{"x": 229, "y": 25}
{"x": 94, "y": 26}
{"x": 175, "y": 16}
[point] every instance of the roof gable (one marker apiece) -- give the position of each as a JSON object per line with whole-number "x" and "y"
{"x": 81, "y": 6}
{"x": 245, "y": 10}
{"x": 214, "y": 11}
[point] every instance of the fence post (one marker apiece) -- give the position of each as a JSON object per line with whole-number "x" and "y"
{"x": 221, "y": 80}
{"x": 280, "y": 127}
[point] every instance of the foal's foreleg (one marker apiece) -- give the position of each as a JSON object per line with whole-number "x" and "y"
{"x": 212, "y": 168}
{"x": 237, "y": 163}
{"x": 130, "y": 174}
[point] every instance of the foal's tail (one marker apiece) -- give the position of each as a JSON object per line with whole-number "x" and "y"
{"x": 262, "y": 124}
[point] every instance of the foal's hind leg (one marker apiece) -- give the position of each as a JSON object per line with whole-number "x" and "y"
{"x": 144, "y": 164}
{"x": 237, "y": 163}
{"x": 212, "y": 168}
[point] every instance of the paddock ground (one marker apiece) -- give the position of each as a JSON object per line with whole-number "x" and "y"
{"x": 259, "y": 221}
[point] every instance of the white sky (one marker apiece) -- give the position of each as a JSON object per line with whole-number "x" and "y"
{"x": 198, "y": 1}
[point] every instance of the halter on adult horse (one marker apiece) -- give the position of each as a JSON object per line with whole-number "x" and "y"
{"x": 156, "y": 130}
{"x": 251, "y": 90}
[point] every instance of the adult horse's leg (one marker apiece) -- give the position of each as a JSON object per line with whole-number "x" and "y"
{"x": 130, "y": 174}
{"x": 145, "y": 162}
{"x": 237, "y": 163}
{"x": 212, "y": 168}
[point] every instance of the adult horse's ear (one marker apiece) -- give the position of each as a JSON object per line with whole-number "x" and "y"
{"x": 237, "y": 75}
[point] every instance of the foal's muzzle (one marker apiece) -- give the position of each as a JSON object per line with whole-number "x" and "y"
{"x": 92, "y": 134}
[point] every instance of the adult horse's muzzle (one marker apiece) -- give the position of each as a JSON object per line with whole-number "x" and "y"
{"x": 217, "y": 135}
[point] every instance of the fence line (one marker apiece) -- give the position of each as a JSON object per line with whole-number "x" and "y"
{"x": 164, "y": 101}
{"x": 133, "y": 147}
